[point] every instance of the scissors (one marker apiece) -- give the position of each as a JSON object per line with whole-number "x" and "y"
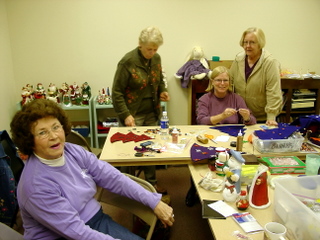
{"x": 209, "y": 136}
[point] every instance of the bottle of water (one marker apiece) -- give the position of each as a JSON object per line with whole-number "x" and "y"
{"x": 164, "y": 124}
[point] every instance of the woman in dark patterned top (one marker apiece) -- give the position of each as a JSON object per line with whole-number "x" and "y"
{"x": 138, "y": 87}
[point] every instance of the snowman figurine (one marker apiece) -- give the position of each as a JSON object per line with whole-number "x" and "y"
{"x": 232, "y": 178}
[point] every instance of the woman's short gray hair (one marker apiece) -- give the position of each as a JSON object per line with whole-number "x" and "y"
{"x": 151, "y": 35}
{"x": 259, "y": 34}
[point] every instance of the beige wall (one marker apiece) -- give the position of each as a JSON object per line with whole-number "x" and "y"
{"x": 8, "y": 95}
{"x": 82, "y": 40}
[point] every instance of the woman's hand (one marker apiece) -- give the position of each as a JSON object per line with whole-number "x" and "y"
{"x": 165, "y": 213}
{"x": 245, "y": 113}
{"x": 271, "y": 123}
{"x": 129, "y": 121}
{"x": 228, "y": 112}
{"x": 164, "y": 97}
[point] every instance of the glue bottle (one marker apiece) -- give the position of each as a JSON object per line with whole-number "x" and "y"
{"x": 239, "y": 141}
{"x": 175, "y": 135}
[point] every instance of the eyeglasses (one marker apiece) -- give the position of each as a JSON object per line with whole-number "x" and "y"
{"x": 250, "y": 43}
{"x": 221, "y": 80}
{"x": 45, "y": 133}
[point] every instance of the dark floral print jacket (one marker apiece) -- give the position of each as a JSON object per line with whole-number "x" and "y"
{"x": 134, "y": 80}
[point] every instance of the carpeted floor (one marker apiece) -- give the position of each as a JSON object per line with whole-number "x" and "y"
{"x": 189, "y": 224}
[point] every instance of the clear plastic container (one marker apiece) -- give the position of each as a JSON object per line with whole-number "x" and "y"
{"x": 292, "y": 203}
{"x": 292, "y": 144}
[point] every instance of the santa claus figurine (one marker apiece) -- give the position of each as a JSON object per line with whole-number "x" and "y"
{"x": 258, "y": 193}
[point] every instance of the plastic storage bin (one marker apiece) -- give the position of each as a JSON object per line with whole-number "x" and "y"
{"x": 301, "y": 221}
{"x": 285, "y": 165}
{"x": 83, "y": 130}
{"x": 292, "y": 144}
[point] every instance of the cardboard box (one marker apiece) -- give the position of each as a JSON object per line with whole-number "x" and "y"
{"x": 285, "y": 165}
{"x": 225, "y": 63}
{"x": 292, "y": 202}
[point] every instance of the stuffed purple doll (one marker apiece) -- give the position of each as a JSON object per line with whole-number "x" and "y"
{"x": 196, "y": 67}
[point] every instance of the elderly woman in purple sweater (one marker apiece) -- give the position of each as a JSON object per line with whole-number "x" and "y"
{"x": 220, "y": 105}
{"x": 58, "y": 183}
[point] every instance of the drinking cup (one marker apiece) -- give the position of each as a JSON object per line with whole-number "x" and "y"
{"x": 275, "y": 231}
{"x": 312, "y": 164}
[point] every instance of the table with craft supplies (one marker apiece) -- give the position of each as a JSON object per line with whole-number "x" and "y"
{"x": 119, "y": 147}
{"x": 225, "y": 229}
{"x": 124, "y": 143}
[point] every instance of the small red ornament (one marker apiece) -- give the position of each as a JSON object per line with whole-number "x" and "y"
{"x": 242, "y": 203}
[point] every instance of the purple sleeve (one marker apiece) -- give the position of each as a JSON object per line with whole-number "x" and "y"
{"x": 110, "y": 178}
{"x": 203, "y": 110}
{"x": 49, "y": 214}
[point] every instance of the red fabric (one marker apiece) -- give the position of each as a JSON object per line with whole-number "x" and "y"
{"x": 128, "y": 137}
{"x": 102, "y": 129}
{"x": 117, "y": 137}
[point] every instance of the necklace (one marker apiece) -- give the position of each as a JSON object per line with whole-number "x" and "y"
{"x": 147, "y": 62}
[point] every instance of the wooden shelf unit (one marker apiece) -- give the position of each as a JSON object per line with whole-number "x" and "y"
{"x": 289, "y": 85}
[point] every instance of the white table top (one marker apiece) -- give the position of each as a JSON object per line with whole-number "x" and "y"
{"x": 224, "y": 228}
{"x": 122, "y": 154}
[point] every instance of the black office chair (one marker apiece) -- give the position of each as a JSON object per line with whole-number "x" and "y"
{"x": 77, "y": 138}
{"x": 10, "y": 158}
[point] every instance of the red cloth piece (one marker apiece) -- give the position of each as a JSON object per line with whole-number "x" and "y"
{"x": 128, "y": 137}
{"x": 117, "y": 137}
{"x": 142, "y": 137}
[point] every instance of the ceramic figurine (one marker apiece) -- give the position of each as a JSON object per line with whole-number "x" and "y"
{"x": 63, "y": 90}
{"x": 100, "y": 98}
{"x": 53, "y": 93}
{"x": 77, "y": 97}
{"x": 85, "y": 98}
{"x": 232, "y": 178}
{"x": 221, "y": 162}
{"x": 30, "y": 90}
{"x": 258, "y": 192}
{"x": 86, "y": 90}
{"x": 26, "y": 96}
{"x": 66, "y": 99}
{"x": 40, "y": 92}
{"x": 107, "y": 97}
{"x": 229, "y": 192}
{"x": 74, "y": 90}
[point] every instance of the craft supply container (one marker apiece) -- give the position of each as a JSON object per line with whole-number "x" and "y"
{"x": 301, "y": 221}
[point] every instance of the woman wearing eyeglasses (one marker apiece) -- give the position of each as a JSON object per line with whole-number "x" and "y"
{"x": 58, "y": 183}
{"x": 256, "y": 77}
{"x": 220, "y": 105}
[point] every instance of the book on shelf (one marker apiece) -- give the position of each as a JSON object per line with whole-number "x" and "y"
{"x": 296, "y": 105}
{"x": 303, "y": 99}
{"x": 247, "y": 222}
{"x": 303, "y": 92}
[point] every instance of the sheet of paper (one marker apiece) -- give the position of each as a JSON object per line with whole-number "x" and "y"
{"x": 222, "y": 138}
{"x": 223, "y": 208}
